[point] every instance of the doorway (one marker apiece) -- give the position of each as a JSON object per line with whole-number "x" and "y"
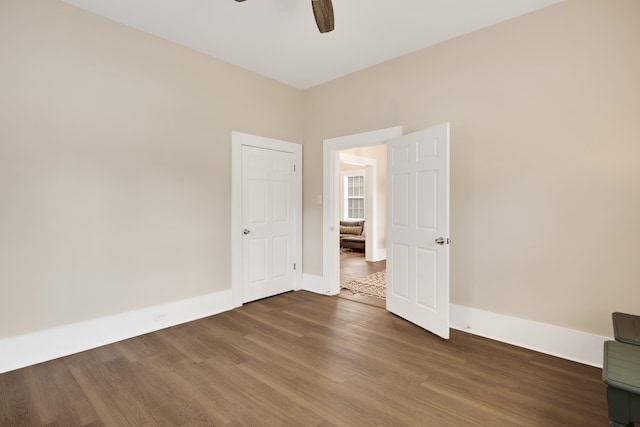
{"x": 361, "y": 216}
{"x": 331, "y": 210}
{"x": 268, "y": 241}
{"x": 418, "y": 224}
{"x": 362, "y": 281}
{"x": 273, "y": 256}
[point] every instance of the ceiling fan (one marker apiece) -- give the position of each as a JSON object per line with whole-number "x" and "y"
{"x": 323, "y": 12}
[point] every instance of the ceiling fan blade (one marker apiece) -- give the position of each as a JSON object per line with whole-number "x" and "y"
{"x": 323, "y": 12}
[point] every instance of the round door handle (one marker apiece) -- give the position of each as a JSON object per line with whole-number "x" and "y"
{"x": 440, "y": 240}
{"x": 245, "y": 231}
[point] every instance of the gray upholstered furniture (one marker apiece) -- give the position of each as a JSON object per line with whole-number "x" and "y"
{"x": 352, "y": 235}
{"x": 621, "y": 371}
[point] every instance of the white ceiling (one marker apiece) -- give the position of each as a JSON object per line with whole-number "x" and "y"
{"x": 279, "y": 38}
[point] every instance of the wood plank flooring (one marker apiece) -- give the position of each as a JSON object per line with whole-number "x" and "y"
{"x": 354, "y": 266}
{"x": 301, "y": 359}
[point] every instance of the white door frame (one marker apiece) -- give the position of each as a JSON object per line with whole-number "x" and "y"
{"x": 330, "y": 173}
{"x": 239, "y": 139}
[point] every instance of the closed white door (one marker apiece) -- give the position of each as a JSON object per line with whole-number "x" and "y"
{"x": 418, "y": 228}
{"x": 268, "y": 246}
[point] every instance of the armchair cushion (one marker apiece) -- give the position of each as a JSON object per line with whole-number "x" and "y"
{"x": 350, "y": 230}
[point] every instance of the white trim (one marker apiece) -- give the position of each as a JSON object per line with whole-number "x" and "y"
{"x": 315, "y": 284}
{"x": 557, "y": 341}
{"x": 29, "y": 349}
{"x": 239, "y": 139}
{"x": 330, "y": 169}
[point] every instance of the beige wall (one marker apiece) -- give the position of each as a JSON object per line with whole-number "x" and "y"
{"x": 115, "y": 165}
{"x": 545, "y": 169}
{"x": 115, "y": 161}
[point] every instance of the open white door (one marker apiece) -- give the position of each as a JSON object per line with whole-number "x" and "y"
{"x": 268, "y": 220}
{"x": 418, "y": 228}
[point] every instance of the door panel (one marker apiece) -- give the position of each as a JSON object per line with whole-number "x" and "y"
{"x": 398, "y": 264}
{"x": 257, "y": 253}
{"x": 281, "y": 265}
{"x": 281, "y": 202}
{"x": 417, "y": 266}
{"x": 428, "y": 270}
{"x": 267, "y": 217}
{"x": 400, "y": 205}
{"x": 427, "y": 212}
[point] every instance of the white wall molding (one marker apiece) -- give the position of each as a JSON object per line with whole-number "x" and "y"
{"x": 557, "y": 341}
{"x": 379, "y": 254}
{"x": 315, "y": 284}
{"x": 29, "y": 349}
{"x": 41, "y": 346}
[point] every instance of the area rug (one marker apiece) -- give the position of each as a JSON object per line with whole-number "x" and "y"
{"x": 374, "y": 285}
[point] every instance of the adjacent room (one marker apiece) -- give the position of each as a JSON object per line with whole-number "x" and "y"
{"x": 362, "y": 208}
{"x": 124, "y": 243}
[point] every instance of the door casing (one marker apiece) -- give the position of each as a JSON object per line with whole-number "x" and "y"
{"x": 330, "y": 211}
{"x": 238, "y": 139}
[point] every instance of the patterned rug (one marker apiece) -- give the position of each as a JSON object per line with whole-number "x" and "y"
{"x": 374, "y": 285}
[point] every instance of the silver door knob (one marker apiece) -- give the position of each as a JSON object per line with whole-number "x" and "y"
{"x": 442, "y": 240}
{"x": 245, "y": 231}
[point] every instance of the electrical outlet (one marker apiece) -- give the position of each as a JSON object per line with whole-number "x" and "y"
{"x": 159, "y": 317}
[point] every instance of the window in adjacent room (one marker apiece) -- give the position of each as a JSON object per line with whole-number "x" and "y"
{"x": 353, "y": 195}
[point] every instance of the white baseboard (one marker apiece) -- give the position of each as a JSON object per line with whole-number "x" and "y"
{"x": 566, "y": 343}
{"x": 379, "y": 254}
{"x": 29, "y": 349}
{"x": 316, "y": 284}
{"x": 557, "y": 341}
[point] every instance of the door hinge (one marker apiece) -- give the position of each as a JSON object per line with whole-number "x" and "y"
{"x": 294, "y": 265}
{"x": 294, "y": 168}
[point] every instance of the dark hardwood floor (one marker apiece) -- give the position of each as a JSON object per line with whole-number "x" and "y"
{"x": 308, "y": 360}
{"x": 354, "y": 266}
